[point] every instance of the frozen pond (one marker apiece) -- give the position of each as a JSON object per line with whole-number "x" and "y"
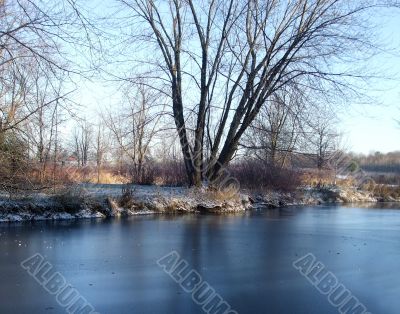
{"x": 247, "y": 259}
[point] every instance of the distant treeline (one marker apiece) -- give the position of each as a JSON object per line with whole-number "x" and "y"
{"x": 379, "y": 162}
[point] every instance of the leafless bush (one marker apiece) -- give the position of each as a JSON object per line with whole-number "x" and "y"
{"x": 71, "y": 198}
{"x": 258, "y": 176}
{"x": 171, "y": 173}
{"x": 146, "y": 176}
{"x": 126, "y": 200}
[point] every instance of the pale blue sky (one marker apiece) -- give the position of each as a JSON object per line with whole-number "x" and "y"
{"x": 373, "y": 127}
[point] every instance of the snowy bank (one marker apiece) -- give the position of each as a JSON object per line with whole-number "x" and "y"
{"x": 101, "y": 201}
{"x": 330, "y": 194}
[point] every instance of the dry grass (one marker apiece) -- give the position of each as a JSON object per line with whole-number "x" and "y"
{"x": 217, "y": 195}
{"x": 317, "y": 178}
{"x": 383, "y": 191}
{"x": 107, "y": 178}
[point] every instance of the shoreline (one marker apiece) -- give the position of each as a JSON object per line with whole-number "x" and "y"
{"x": 107, "y": 201}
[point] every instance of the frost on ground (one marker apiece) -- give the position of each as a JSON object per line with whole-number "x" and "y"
{"x": 327, "y": 194}
{"x": 100, "y": 201}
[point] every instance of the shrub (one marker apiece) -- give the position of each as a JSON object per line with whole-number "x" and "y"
{"x": 171, "y": 173}
{"x": 126, "y": 200}
{"x": 259, "y": 176}
{"x": 71, "y": 199}
{"x": 147, "y": 176}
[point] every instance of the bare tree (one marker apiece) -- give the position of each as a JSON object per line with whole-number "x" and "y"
{"x": 322, "y": 138}
{"x": 223, "y": 60}
{"x": 273, "y": 135}
{"x": 83, "y": 139}
{"x": 135, "y": 126}
{"x": 34, "y": 35}
{"x": 101, "y": 147}
{"x": 43, "y": 43}
{"x": 42, "y": 127}
{"x": 28, "y": 108}
{"x": 33, "y": 30}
